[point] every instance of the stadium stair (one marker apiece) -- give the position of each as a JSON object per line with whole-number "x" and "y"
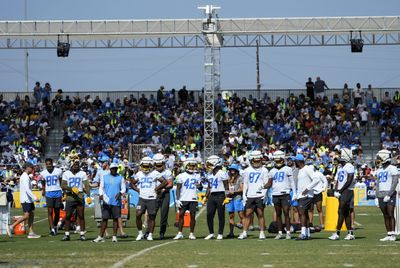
{"x": 371, "y": 143}
{"x": 54, "y": 139}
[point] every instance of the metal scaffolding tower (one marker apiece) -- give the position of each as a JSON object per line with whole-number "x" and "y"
{"x": 212, "y": 44}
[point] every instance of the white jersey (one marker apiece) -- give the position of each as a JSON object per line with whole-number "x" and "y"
{"x": 282, "y": 180}
{"x": 188, "y": 186}
{"x": 52, "y": 180}
{"x": 216, "y": 182}
{"x": 322, "y": 182}
{"x": 385, "y": 178}
{"x": 342, "y": 174}
{"x": 306, "y": 180}
{"x": 147, "y": 184}
{"x": 75, "y": 180}
{"x": 166, "y": 174}
{"x": 254, "y": 180}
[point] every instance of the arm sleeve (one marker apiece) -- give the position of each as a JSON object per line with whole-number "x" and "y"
{"x": 123, "y": 186}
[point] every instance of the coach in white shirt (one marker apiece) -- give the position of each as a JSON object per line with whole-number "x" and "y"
{"x": 27, "y": 201}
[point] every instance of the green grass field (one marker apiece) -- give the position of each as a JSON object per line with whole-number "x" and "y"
{"x": 365, "y": 251}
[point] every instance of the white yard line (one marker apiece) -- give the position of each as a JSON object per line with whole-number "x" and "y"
{"x": 45, "y": 219}
{"x": 357, "y": 223}
{"x": 137, "y": 254}
{"x": 201, "y": 211}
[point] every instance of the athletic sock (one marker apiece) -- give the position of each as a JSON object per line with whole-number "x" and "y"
{"x": 140, "y": 232}
{"x": 280, "y": 232}
{"x": 67, "y": 233}
{"x": 351, "y": 232}
{"x": 390, "y": 233}
{"x": 308, "y": 233}
{"x": 82, "y": 233}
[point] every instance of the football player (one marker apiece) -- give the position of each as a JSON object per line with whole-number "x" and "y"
{"x": 75, "y": 184}
{"x": 148, "y": 185}
{"x": 164, "y": 196}
{"x": 387, "y": 180}
{"x": 344, "y": 192}
{"x": 51, "y": 181}
{"x": 282, "y": 183}
{"x": 255, "y": 181}
{"x": 187, "y": 185}
{"x": 215, "y": 195}
{"x": 306, "y": 182}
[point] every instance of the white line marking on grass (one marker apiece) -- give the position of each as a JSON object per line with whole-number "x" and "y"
{"x": 192, "y": 266}
{"x": 348, "y": 265}
{"x": 331, "y": 253}
{"x": 264, "y": 254}
{"x": 137, "y": 254}
{"x": 362, "y": 214}
{"x": 268, "y": 265}
{"x": 203, "y": 253}
{"x": 357, "y": 223}
{"x": 201, "y": 211}
{"x": 45, "y": 219}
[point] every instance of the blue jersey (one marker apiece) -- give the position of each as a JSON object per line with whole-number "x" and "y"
{"x": 110, "y": 186}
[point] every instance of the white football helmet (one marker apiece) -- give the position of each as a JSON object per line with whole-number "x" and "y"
{"x": 159, "y": 162}
{"x": 146, "y": 164}
{"x": 213, "y": 162}
{"x": 346, "y": 155}
{"x": 383, "y": 156}
{"x": 190, "y": 165}
{"x": 279, "y": 159}
{"x": 255, "y": 158}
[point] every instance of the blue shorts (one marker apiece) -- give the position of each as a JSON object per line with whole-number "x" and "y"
{"x": 235, "y": 205}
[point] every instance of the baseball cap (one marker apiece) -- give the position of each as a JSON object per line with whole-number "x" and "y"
{"x": 299, "y": 157}
{"x": 28, "y": 164}
{"x": 113, "y": 165}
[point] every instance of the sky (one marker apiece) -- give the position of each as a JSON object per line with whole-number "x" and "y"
{"x": 147, "y": 69}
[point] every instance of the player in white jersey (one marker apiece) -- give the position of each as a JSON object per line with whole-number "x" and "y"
{"x": 164, "y": 197}
{"x": 282, "y": 183}
{"x": 215, "y": 195}
{"x": 255, "y": 181}
{"x": 51, "y": 181}
{"x": 75, "y": 183}
{"x": 344, "y": 192}
{"x": 187, "y": 185}
{"x": 317, "y": 199}
{"x": 147, "y": 183}
{"x": 387, "y": 179}
{"x": 306, "y": 183}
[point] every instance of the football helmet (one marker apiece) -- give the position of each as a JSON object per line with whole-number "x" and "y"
{"x": 146, "y": 164}
{"x": 383, "y": 157}
{"x": 279, "y": 159}
{"x": 159, "y": 162}
{"x": 256, "y": 158}
{"x": 346, "y": 155}
{"x": 190, "y": 165}
{"x": 212, "y": 162}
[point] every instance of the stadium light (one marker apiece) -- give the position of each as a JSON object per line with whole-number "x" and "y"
{"x": 356, "y": 43}
{"x": 63, "y": 47}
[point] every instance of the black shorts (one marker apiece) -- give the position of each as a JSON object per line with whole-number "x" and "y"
{"x": 53, "y": 202}
{"x": 254, "y": 203}
{"x": 28, "y": 207}
{"x": 148, "y": 205}
{"x": 391, "y": 202}
{"x": 347, "y": 197}
{"x": 281, "y": 200}
{"x": 317, "y": 198}
{"x": 189, "y": 205}
{"x": 110, "y": 212}
{"x": 305, "y": 203}
{"x": 71, "y": 205}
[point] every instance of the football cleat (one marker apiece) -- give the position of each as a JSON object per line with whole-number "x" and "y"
{"x": 220, "y": 237}
{"x": 242, "y": 236}
{"x": 208, "y": 237}
{"x": 99, "y": 239}
{"x": 288, "y": 237}
{"x": 66, "y": 238}
{"x": 192, "y": 237}
{"x": 334, "y": 237}
{"x": 386, "y": 238}
{"x": 114, "y": 239}
{"x": 179, "y": 236}
{"x": 301, "y": 238}
{"x": 262, "y": 236}
{"x": 230, "y": 235}
{"x": 150, "y": 237}
{"x": 392, "y": 238}
{"x": 349, "y": 237}
{"x": 278, "y": 236}
{"x": 139, "y": 237}
{"x": 33, "y": 236}
{"x": 82, "y": 238}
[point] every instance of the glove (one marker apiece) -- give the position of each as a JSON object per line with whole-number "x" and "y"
{"x": 386, "y": 199}
{"x": 337, "y": 195}
{"x": 179, "y": 203}
{"x": 89, "y": 200}
{"x": 226, "y": 201}
{"x": 377, "y": 202}
{"x": 75, "y": 190}
{"x": 294, "y": 197}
